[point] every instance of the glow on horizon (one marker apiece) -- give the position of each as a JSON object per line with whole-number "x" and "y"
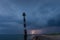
{"x": 36, "y": 32}
{"x": 33, "y": 32}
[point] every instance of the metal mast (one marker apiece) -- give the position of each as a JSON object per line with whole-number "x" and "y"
{"x": 25, "y": 30}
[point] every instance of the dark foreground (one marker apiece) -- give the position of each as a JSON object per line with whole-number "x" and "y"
{"x": 47, "y": 37}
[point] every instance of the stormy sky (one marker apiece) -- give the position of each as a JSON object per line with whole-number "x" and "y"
{"x": 40, "y": 14}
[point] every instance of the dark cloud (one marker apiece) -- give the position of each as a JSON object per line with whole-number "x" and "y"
{"x": 40, "y": 13}
{"x": 54, "y": 21}
{"x": 52, "y": 29}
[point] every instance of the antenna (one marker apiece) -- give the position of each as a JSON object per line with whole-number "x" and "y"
{"x": 25, "y": 30}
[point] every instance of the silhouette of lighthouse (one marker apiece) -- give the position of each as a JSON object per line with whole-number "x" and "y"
{"x": 25, "y": 30}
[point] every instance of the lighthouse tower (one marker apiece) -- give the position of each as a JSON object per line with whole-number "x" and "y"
{"x": 25, "y": 30}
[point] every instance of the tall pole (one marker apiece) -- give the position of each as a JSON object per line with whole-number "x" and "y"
{"x": 25, "y": 30}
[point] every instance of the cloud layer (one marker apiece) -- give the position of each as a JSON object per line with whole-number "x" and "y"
{"x": 40, "y": 14}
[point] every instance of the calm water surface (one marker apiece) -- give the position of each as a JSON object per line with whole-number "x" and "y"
{"x": 15, "y": 37}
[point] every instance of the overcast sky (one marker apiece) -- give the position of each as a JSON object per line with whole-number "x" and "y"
{"x": 39, "y": 14}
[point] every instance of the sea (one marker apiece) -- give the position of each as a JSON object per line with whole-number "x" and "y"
{"x": 16, "y": 37}
{"x": 13, "y": 37}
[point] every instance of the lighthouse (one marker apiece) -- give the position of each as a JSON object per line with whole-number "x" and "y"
{"x": 25, "y": 30}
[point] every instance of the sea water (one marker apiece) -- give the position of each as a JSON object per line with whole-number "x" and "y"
{"x": 15, "y": 37}
{"x": 11, "y": 37}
